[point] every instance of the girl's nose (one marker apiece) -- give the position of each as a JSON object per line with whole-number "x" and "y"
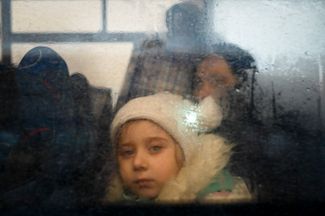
{"x": 140, "y": 161}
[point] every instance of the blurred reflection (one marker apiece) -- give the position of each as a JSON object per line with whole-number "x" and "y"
{"x": 61, "y": 137}
{"x": 228, "y": 75}
{"x": 266, "y": 149}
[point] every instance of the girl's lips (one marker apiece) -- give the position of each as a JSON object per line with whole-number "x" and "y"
{"x": 144, "y": 183}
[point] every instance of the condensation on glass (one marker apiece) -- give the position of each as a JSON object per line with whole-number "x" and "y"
{"x": 98, "y": 38}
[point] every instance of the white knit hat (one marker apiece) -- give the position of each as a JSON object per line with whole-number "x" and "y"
{"x": 182, "y": 119}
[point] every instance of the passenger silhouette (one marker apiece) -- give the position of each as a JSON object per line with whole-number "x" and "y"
{"x": 167, "y": 64}
{"x": 227, "y": 73}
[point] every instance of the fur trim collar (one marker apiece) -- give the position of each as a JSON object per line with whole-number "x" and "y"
{"x": 212, "y": 155}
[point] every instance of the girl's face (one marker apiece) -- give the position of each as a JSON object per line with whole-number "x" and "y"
{"x": 148, "y": 157}
{"x": 215, "y": 78}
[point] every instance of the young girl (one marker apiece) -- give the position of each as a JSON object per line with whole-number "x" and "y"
{"x": 165, "y": 154}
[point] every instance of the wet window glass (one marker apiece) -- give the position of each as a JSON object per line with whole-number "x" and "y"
{"x": 107, "y": 102}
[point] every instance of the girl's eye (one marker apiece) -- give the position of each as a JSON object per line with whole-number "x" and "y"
{"x": 155, "y": 149}
{"x": 126, "y": 152}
